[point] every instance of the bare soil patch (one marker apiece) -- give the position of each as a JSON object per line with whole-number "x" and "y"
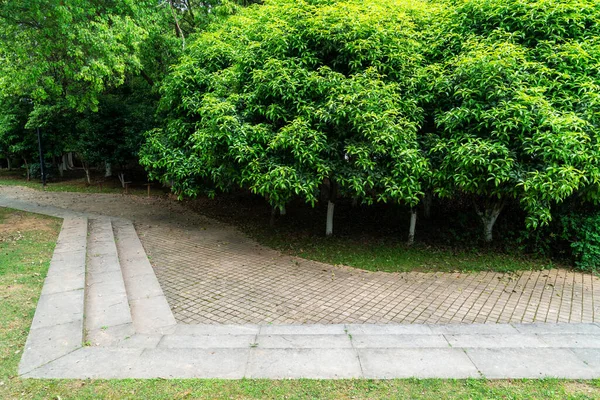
{"x": 19, "y": 222}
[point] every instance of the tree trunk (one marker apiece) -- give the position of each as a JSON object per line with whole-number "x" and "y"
{"x": 107, "y": 169}
{"x": 27, "y": 169}
{"x": 413, "y": 226}
{"x": 87, "y": 172}
{"x": 70, "y": 164}
{"x": 488, "y": 217}
{"x": 273, "y": 213}
{"x": 282, "y": 210}
{"x": 332, "y": 197}
{"x": 61, "y": 170}
{"x": 427, "y": 200}
{"x": 121, "y": 176}
{"x": 8, "y": 163}
{"x": 329, "y": 227}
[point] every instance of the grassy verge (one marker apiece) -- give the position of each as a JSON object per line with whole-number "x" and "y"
{"x": 77, "y": 185}
{"x": 26, "y": 244}
{"x": 372, "y": 238}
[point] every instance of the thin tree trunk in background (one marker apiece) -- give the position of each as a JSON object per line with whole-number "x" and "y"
{"x": 121, "y": 176}
{"x": 27, "y": 169}
{"x": 413, "y": 226}
{"x": 329, "y": 227}
{"x": 87, "y": 172}
{"x": 427, "y": 200}
{"x": 282, "y": 210}
{"x": 8, "y": 163}
{"x": 70, "y": 164}
{"x": 107, "y": 169}
{"x": 273, "y": 213}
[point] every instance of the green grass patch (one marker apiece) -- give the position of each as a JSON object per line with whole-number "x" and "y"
{"x": 397, "y": 257}
{"x": 26, "y": 245}
{"x": 78, "y": 185}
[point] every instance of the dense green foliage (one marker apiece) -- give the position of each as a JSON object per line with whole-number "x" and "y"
{"x": 488, "y": 102}
{"x": 288, "y": 95}
{"x": 515, "y": 102}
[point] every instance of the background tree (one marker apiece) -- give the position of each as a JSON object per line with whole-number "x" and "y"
{"x": 290, "y": 95}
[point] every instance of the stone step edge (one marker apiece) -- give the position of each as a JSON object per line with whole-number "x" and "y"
{"x": 150, "y": 310}
{"x": 108, "y": 317}
{"x": 57, "y": 328}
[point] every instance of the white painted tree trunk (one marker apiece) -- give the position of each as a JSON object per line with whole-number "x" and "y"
{"x": 413, "y": 226}
{"x": 107, "y": 169}
{"x": 329, "y": 227}
{"x": 61, "y": 169}
{"x": 488, "y": 217}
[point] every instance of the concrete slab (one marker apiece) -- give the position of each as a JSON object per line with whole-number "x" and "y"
{"x": 93, "y": 278}
{"x": 475, "y": 329}
{"x": 72, "y": 260}
{"x": 49, "y": 343}
{"x": 207, "y": 341}
{"x": 139, "y": 341}
{"x": 304, "y": 341}
{"x": 220, "y": 330}
{"x": 559, "y": 328}
{"x": 571, "y": 340}
{"x": 145, "y": 285}
{"x": 303, "y": 330}
{"x": 152, "y": 315}
{"x": 90, "y": 363}
{"x": 416, "y": 363}
{"x": 391, "y": 329}
{"x": 68, "y": 281}
{"x": 303, "y": 363}
{"x": 58, "y": 308}
{"x": 107, "y": 311}
{"x": 591, "y": 357}
{"x": 191, "y": 363}
{"x": 110, "y": 335}
{"x": 495, "y": 341}
{"x": 530, "y": 363}
{"x": 399, "y": 341}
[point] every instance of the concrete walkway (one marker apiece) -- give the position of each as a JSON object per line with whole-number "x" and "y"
{"x": 103, "y": 314}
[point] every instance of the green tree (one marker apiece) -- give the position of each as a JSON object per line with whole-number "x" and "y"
{"x": 513, "y": 90}
{"x": 288, "y": 96}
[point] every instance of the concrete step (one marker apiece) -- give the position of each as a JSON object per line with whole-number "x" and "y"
{"x": 149, "y": 307}
{"x": 57, "y": 327}
{"x": 108, "y": 316}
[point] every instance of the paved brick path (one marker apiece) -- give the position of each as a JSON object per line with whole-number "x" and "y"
{"x": 213, "y": 274}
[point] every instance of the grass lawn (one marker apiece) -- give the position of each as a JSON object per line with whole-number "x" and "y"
{"x": 75, "y": 184}
{"x": 26, "y": 245}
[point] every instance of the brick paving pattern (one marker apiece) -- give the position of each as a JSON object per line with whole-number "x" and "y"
{"x": 212, "y": 274}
